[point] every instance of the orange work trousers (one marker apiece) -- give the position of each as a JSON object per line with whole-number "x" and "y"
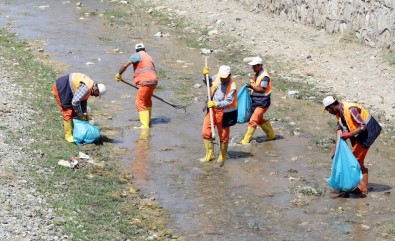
{"x": 144, "y": 97}
{"x": 360, "y": 153}
{"x": 67, "y": 113}
{"x": 257, "y": 118}
{"x": 223, "y": 132}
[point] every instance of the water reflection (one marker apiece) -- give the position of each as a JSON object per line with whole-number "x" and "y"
{"x": 140, "y": 164}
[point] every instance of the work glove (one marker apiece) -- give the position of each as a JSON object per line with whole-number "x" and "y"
{"x": 118, "y": 77}
{"x": 249, "y": 86}
{"x": 206, "y": 70}
{"x": 346, "y": 135}
{"x": 211, "y": 104}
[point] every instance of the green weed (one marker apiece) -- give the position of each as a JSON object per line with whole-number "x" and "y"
{"x": 349, "y": 36}
{"x": 391, "y": 230}
{"x": 310, "y": 191}
{"x": 104, "y": 39}
{"x": 390, "y": 57}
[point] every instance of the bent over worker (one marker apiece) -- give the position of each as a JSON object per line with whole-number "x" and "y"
{"x": 71, "y": 93}
{"x": 223, "y": 101}
{"x": 260, "y": 90}
{"x": 145, "y": 78}
{"x": 355, "y": 123}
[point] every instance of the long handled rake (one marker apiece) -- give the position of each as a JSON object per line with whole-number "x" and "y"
{"x": 184, "y": 107}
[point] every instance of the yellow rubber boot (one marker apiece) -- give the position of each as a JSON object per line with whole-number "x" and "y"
{"x": 267, "y": 128}
{"x": 209, "y": 146}
{"x": 248, "y": 135}
{"x": 68, "y": 131}
{"x": 150, "y": 112}
{"x": 144, "y": 119}
{"x": 223, "y": 151}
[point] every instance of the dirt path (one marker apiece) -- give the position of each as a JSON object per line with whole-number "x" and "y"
{"x": 347, "y": 70}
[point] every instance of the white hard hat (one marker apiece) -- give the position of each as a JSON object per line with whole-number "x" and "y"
{"x": 327, "y": 101}
{"x": 139, "y": 46}
{"x": 102, "y": 88}
{"x": 256, "y": 60}
{"x": 224, "y": 71}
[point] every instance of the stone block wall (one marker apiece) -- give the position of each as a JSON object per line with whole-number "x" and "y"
{"x": 373, "y": 21}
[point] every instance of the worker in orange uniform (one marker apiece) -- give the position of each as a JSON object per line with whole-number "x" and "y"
{"x": 145, "y": 78}
{"x": 223, "y": 101}
{"x": 260, "y": 90}
{"x": 355, "y": 123}
{"x": 71, "y": 93}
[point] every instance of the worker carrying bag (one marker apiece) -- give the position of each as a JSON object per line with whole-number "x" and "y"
{"x": 244, "y": 106}
{"x": 346, "y": 172}
{"x": 84, "y": 132}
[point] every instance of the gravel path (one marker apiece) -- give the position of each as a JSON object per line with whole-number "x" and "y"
{"x": 24, "y": 213}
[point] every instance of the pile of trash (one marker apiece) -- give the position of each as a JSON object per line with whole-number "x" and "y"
{"x": 82, "y": 160}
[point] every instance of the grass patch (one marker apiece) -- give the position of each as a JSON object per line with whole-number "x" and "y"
{"x": 115, "y": 16}
{"x": 349, "y": 36}
{"x": 323, "y": 142}
{"x": 104, "y": 39}
{"x": 310, "y": 191}
{"x": 391, "y": 230}
{"x": 389, "y": 57}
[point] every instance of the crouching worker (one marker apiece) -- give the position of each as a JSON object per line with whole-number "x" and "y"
{"x": 355, "y": 123}
{"x": 223, "y": 101}
{"x": 71, "y": 93}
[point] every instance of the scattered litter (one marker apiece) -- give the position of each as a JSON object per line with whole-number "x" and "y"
{"x": 72, "y": 163}
{"x": 64, "y": 163}
{"x": 43, "y": 7}
{"x": 293, "y": 93}
{"x": 160, "y": 34}
{"x": 206, "y": 51}
{"x": 83, "y": 155}
{"x": 96, "y": 164}
{"x": 82, "y": 160}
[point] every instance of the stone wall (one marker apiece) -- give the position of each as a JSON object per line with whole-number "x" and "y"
{"x": 373, "y": 21}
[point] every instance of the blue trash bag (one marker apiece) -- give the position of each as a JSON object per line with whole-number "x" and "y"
{"x": 346, "y": 172}
{"x": 244, "y": 106}
{"x": 84, "y": 132}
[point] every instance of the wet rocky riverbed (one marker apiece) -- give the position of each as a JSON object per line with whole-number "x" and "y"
{"x": 268, "y": 190}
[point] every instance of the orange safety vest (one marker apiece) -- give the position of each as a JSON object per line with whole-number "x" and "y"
{"x": 351, "y": 124}
{"x": 257, "y": 82}
{"x": 76, "y": 78}
{"x": 144, "y": 70}
{"x": 231, "y": 86}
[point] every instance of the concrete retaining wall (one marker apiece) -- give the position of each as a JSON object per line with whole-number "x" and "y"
{"x": 373, "y": 21}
